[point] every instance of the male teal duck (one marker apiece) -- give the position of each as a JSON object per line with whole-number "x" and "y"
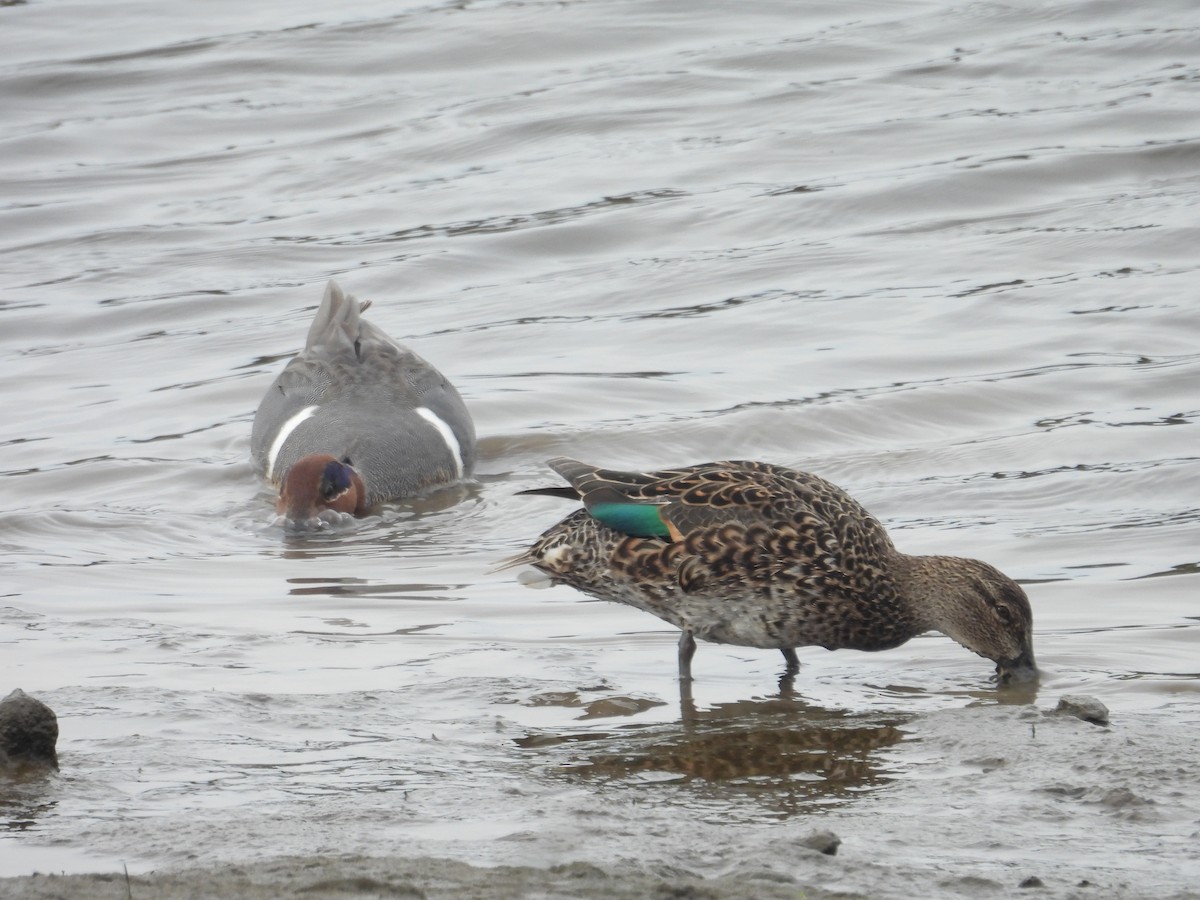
{"x": 356, "y": 419}
{"x": 758, "y": 555}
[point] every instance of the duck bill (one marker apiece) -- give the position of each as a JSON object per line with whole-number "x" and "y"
{"x": 1020, "y": 670}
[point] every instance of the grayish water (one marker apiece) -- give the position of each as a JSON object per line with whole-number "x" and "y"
{"x": 942, "y": 254}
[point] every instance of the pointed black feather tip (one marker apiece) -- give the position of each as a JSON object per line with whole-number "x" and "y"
{"x": 563, "y": 491}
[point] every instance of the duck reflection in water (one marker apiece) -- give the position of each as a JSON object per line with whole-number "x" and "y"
{"x": 784, "y": 753}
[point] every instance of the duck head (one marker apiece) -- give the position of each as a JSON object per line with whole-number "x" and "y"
{"x": 985, "y": 611}
{"x": 318, "y": 482}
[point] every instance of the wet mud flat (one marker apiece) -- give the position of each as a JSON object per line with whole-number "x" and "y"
{"x": 399, "y": 877}
{"x": 984, "y": 801}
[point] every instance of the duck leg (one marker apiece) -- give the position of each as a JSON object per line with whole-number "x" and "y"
{"x": 687, "y": 649}
{"x": 793, "y": 661}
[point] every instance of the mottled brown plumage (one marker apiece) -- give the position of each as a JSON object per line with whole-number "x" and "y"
{"x": 758, "y": 555}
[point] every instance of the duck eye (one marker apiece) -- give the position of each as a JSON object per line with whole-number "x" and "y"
{"x": 335, "y": 481}
{"x": 1005, "y": 614}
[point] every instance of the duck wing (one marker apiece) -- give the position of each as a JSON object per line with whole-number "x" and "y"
{"x": 778, "y": 517}
{"x": 676, "y": 503}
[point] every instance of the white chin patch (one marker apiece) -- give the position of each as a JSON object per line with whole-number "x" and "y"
{"x": 447, "y": 434}
{"x": 285, "y": 431}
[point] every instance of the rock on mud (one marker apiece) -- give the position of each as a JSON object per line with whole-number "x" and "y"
{"x": 1083, "y": 707}
{"x": 28, "y": 733}
{"x": 822, "y": 841}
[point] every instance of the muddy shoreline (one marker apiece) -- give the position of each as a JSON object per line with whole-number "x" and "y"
{"x": 415, "y": 877}
{"x": 1004, "y": 778}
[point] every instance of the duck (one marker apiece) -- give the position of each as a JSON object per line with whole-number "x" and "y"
{"x": 356, "y": 420}
{"x": 758, "y": 555}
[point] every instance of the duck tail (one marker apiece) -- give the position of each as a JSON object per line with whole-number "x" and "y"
{"x": 525, "y": 558}
{"x": 337, "y": 320}
{"x": 564, "y": 491}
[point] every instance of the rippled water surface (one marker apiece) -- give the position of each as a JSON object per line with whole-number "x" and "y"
{"x": 943, "y": 254}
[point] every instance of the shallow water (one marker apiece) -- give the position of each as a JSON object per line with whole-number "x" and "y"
{"x": 943, "y": 255}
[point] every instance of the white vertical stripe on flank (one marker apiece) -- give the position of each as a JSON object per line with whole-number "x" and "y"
{"x": 284, "y": 431}
{"x": 447, "y": 434}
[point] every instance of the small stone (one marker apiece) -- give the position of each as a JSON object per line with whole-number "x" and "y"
{"x": 1122, "y": 797}
{"x": 822, "y": 841}
{"x": 580, "y": 870}
{"x": 685, "y": 892}
{"x": 28, "y": 732}
{"x": 1083, "y": 707}
{"x": 1031, "y": 882}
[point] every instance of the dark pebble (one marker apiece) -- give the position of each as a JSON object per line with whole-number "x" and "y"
{"x": 28, "y": 732}
{"x": 823, "y": 841}
{"x": 1083, "y": 707}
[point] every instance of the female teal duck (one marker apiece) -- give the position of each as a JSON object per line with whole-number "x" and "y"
{"x": 758, "y": 555}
